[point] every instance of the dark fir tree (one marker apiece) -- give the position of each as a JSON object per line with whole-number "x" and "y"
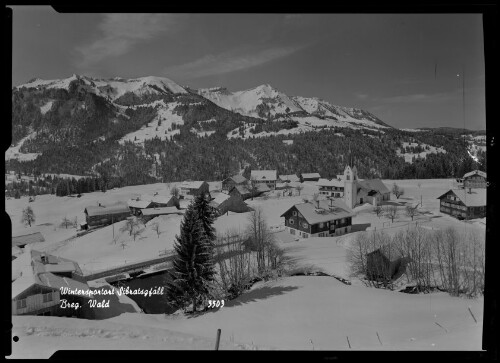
{"x": 193, "y": 271}
{"x": 206, "y": 215}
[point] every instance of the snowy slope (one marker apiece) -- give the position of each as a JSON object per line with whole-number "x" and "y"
{"x": 246, "y": 102}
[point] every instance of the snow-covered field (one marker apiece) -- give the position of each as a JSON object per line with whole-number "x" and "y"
{"x": 14, "y": 153}
{"x": 296, "y": 312}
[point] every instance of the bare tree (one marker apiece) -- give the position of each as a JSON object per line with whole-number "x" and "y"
{"x": 136, "y": 232}
{"x": 123, "y": 244}
{"x": 156, "y": 228}
{"x": 299, "y": 187}
{"x": 391, "y": 212}
{"x": 66, "y": 222}
{"x": 130, "y": 225}
{"x": 259, "y": 236}
{"x": 378, "y": 210}
{"x": 254, "y": 188}
{"x": 75, "y": 222}
{"x": 411, "y": 211}
{"x": 28, "y": 216}
{"x": 397, "y": 191}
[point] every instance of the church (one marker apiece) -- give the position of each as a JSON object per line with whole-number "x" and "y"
{"x": 353, "y": 190}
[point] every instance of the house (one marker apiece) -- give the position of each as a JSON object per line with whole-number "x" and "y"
{"x": 47, "y": 285}
{"x": 31, "y": 235}
{"x": 267, "y": 177}
{"x": 245, "y": 193}
{"x": 320, "y": 218}
{"x": 225, "y": 203}
{"x": 475, "y": 179}
{"x": 309, "y": 177}
{"x": 229, "y": 183}
{"x": 149, "y": 213}
{"x": 103, "y": 215}
{"x": 464, "y": 203}
{"x": 193, "y": 188}
{"x": 289, "y": 178}
{"x": 385, "y": 264}
{"x": 137, "y": 204}
{"x": 333, "y": 188}
{"x": 151, "y": 201}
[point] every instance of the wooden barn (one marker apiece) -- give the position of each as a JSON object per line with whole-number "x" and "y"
{"x": 475, "y": 179}
{"x": 102, "y": 215}
{"x": 193, "y": 188}
{"x": 225, "y": 203}
{"x": 229, "y": 183}
{"x": 464, "y": 203}
{"x": 47, "y": 284}
{"x": 385, "y": 264}
{"x": 305, "y": 177}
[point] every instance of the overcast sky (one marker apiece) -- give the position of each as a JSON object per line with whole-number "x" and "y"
{"x": 405, "y": 69}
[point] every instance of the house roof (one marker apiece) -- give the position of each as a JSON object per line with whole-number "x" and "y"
{"x": 158, "y": 211}
{"x": 134, "y": 203}
{"x": 374, "y": 184}
{"x": 94, "y": 210}
{"x": 219, "y": 198}
{"x": 477, "y": 197}
{"x": 310, "y": 175}
{"x": 260, "y": 175}
{"x": 262, "y": 188}
{"x": 475, "y": 172}
{"x": 238, "y": 179}
{"x": 313, "y": 215}
{"x": 22, "y": 240}
{"x": 243, "y": 190}
{"x": 291, "y": 178}
{"x": 192, "y": 184}
{"x": 330, "y": 183}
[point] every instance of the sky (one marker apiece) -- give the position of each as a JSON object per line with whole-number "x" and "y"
{"x": 409, "y": 70}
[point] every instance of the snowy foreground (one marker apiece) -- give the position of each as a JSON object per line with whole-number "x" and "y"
{"x": 294, "y": 313}
{"x": 297, "y": 312}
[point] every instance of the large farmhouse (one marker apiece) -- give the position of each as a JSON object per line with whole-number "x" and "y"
{"x": 225, "y": 203}
{"x": 245, "y": 193}
{"x": 103, "y": 215}
{"x": 151, "y": 201}
{"x": 47, "y": 284}
{"x": 291, "y": 178}
{"x": 475, "y": 179}
{"x": 267, "y": 177}
{"x": 464, "y": 203}
{"x": 318, "y": 219}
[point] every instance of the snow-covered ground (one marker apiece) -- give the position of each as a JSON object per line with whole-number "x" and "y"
{"x": 296, "y": 312}
{"x": 14, "y": 153}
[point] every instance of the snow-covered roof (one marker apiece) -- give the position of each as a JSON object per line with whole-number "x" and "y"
{"x": 261, "y": 175}
{"x": 219, "y": 198}
{"x": 289, "y": 178}
{"x": 313, "y": 214}
{"x": 477, "y": 197}
{"x": 330, "y": 183}
{"x": 475, "y": 172}
{"x": 192, "y": 184}
{"x": 238, "y": 179}
{"x": 159, "y": 211}
{"x": 310, "y": 175}
{"x": 134, "y": 203}
{"x": 117, "y": 208}
{"x": 374, "y": 184}
{"x": 28, "y": 238}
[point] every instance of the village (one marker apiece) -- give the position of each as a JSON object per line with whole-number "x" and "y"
{"x": 51, "y": 256}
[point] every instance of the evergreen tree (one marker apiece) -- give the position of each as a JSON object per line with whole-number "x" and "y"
{"x": 206, "y": 215}
{"x": 193, "y": 270}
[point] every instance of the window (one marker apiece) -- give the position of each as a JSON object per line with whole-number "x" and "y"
{"x": 47, "y": 297}
{"x": 21, "y": 304}
{"x": 321, "y": 225}
{"x": 305, "y": 235}
{"x": 294, "y": 213}
{"x": 305, "y": 225}
{"x": 290, "y": 221}
{"x": 292, "y": 231}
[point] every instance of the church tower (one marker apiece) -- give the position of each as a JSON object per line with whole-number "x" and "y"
{"x": 350, "y": 186}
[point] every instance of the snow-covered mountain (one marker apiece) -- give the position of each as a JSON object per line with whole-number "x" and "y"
{"x": 263, "y": 101}
{"x": 112, "y": 88}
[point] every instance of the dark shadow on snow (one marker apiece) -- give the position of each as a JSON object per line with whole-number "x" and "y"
{"x": 360, "y": 227}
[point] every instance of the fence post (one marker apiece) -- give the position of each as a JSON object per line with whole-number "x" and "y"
{"x": 218, "y": 340}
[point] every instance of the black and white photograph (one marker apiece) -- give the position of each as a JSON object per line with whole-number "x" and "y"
{"x": 247, "y": 181}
